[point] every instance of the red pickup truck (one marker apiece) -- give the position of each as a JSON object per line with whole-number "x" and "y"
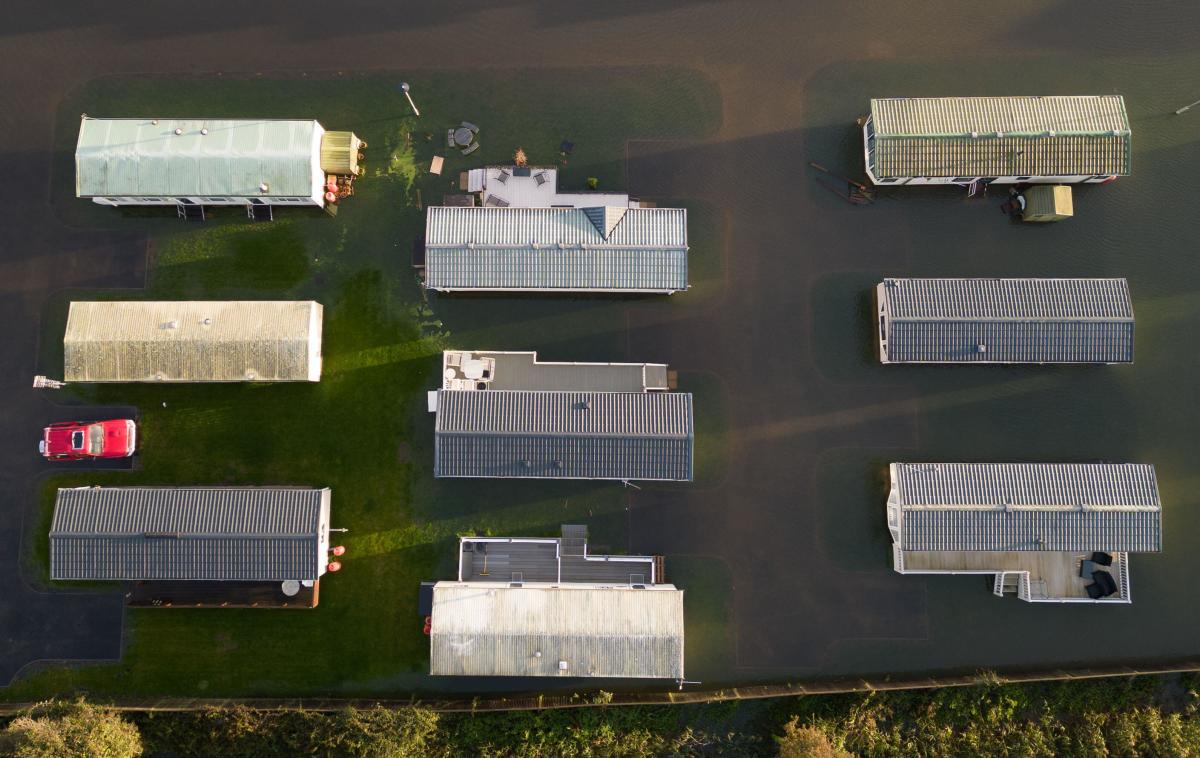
{"x": 78, "y": 440}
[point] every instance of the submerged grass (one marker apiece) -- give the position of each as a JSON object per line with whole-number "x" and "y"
{"x": 362, "y": 430}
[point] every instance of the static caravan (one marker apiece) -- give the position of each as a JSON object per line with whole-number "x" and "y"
{"x": 193, "y": 341}
{"x": 988, "y": 321}
{"x": 196, "y": 546}
{"x": 1007, "y": 140}
{"x": 199, "y": 162}
{"x": 609, "y": 249}
{"x": 549, "y": 607}
{"x": 1046, "y": 532}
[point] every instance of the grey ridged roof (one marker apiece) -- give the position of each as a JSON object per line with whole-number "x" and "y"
{"x": 189, "y": 533}
{"x": 588, "y": 435}
{"x": 1000, "y": 136}
{"x": 1017, "y": 320}
{"x": 1028, "y": 506}
{"x": 555, "y": 249}
{"x": 495, "y": 630}
{"x": 137, "y": 157}
{"x": 193, "y": 341}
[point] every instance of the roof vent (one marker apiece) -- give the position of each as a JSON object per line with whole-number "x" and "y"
{"x": 537, "y": 653}
{"x": 974, "y": 135}
{"x": 204, "y": 130}
{"x": 172, "y": 324}
{"x": 1050, "y": 133}
{"x": 982, "y": 348}
{"x": 264, "y": 187}
{"x": 178, "y": 131}
{"x": 999, "y": 134}
{"x": 586, "y": 405}
{"x": 207, "y": 321}
{"x": 155, "y": 122}
{"x": 159, "y": 376}
{"x": 558, "y": 464}
{"x": 1116, "y": 132}
{"x": 250, "y": 374}
{"x": 526, "y": 463}
{"x": 562, "y": 666}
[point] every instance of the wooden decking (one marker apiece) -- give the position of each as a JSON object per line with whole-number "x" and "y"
{"x": 1051, "y": 575}
{"x": 218, "y": 595}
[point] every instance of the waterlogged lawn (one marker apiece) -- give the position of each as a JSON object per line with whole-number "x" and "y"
{"x": 363, "y": 429}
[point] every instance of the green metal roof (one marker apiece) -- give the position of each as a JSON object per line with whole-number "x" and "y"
{"x": 1000, "y": 136}
{"x": 133, "y": 157}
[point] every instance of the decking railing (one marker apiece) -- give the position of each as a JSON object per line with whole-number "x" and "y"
{"x": 1123, "y": 563}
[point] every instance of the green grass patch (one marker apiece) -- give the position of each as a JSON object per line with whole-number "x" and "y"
{"x": 363, "y": 430}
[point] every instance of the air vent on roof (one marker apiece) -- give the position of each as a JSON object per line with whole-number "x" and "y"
{"x": 526, "y": 463}
{"x": 178, "y": 131}
{"x": 585, "y": 405}
{"x": 172, "y": 324}
{"x": 264, "y": 187}
{"x": 999, "y": 134}
{"x": 204, "y": 130}
{"x": 981, "y": 347}
{"x": 207, "y": 321}
{"x": 975, "y": 135}
{"x": 562, "y": 666}
{"x": 1050, "y": 133}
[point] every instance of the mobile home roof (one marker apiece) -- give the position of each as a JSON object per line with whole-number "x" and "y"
{"x": 189, "y": 533}
{"x": 571, "y": 631}
{"x": 1012, "y": 320}
{"x": 1028, "y": 506}
{"x": 573, "y": 249}
{"x": 1000, "y": 136}
{"x": 577, "y": 435}
{"x": 193, "y": 341}
{"x": 141, "y": 157}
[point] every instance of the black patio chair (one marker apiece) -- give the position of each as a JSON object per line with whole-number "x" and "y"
{"x": 1108, "y": 585}
{"x": 1094, "y": 591}
{"x": 1102, "y": 559}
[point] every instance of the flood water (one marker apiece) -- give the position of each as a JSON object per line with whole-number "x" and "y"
{"x": 798, "y": 419}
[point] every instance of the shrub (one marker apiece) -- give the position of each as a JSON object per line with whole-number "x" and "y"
{"x": 55, "y": 729}
{"x": 806, "y": 742}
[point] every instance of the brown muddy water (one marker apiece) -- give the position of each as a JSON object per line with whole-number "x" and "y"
{"x": 775, "y": 338}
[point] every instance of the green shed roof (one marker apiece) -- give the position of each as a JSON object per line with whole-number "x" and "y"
{"x": 1000, "y": 136}
{"x": 136, "y": 157}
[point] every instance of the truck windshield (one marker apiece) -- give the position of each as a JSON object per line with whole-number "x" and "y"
{"x": 95, "y": 439}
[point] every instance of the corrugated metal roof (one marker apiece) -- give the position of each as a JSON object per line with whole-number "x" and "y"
{"x": 1016, "y": 320}
{"x": 189, "y": 533}
{"x": 554, "y": 248}
{"x": 1028, "y": 506}
{"x": 193, "y": 341}
{"x": 137, "y": 157}
{"x": 588, "y": 435}
{"x": 496, "y": 630}
{"x": 1000, "y": 136}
